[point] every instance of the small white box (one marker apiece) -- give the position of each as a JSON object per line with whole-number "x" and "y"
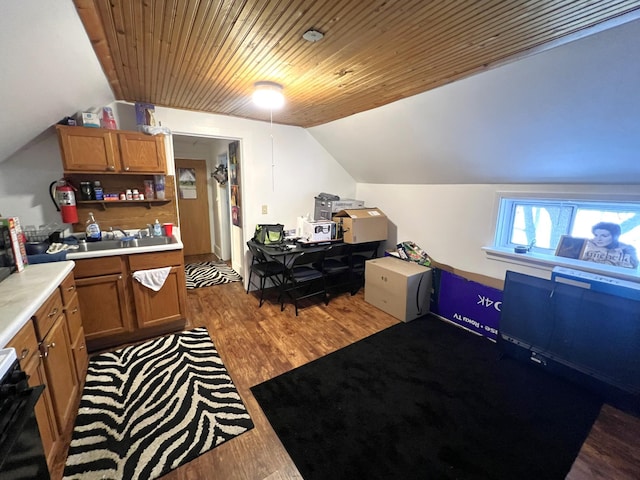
{"x": 87, "y": 119}
{"x": 318, "y": 231}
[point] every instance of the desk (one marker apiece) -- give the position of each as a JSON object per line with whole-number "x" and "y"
{"x": 286, "y": 252}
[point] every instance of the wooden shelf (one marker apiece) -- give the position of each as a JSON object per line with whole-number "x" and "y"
{"x": 104, "y": 204}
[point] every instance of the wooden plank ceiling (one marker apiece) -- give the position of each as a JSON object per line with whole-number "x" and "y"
{"x": 205, "y": 55}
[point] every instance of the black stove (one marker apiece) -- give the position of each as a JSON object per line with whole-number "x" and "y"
{"x": 21, "y": 453}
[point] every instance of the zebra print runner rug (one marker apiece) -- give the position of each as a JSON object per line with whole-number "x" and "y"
{"x": 148, "y": 409}
{"x": 208, "y": 274}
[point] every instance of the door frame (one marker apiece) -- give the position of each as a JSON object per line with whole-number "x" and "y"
{"x": 234, "y": 235}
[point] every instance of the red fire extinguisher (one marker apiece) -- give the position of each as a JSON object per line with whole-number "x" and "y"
{"x": 64, "y": 199}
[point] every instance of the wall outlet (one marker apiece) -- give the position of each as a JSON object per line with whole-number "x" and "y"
{"x": 265, "y": 209}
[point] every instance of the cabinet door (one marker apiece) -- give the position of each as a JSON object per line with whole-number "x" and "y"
{"x": 164, "y": 306}
{"x": 26, "y": 346}
{"x": 104, "y": 301}
{"x": 88, "y": 150}
{"x": 60, "y": 371}
{"x": 45, "y": 414}
{"x": 141, "y": 153}
{"x": 76, "y": 332}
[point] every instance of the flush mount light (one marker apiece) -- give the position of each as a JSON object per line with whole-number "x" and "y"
{"x": 268, "y": 95}
{"x": 312, "y": 35}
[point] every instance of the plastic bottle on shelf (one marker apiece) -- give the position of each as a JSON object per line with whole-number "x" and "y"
{"x": 93, "y": 233}
{"x": 157, "y": 229}
{"x": 97, "y": 190}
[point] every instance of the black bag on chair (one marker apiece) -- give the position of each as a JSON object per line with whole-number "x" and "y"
{"x": 269, "y": 234}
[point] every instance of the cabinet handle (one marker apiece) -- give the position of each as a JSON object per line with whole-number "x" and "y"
{"x": 126, "y": 169}
{"x": 71, "y": 289}
{"x": 81, "y": 347}
{"x": 119, "y": 277}
{"x": 52, "y": 345}
{"x": 111, "y": 168}
{"x": 53, "y": 312}
{"x": 24, "y": 353}
{"x": 75, "y": 310}
{"x": 44, "y": 351}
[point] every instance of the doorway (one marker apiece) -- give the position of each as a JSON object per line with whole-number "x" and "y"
{"x": 209, "y": 153}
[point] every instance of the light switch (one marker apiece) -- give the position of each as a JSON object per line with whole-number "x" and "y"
{"x": 265, "y": 209}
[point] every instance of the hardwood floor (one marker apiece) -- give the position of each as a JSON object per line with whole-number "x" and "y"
{"x": 257, "y": 344}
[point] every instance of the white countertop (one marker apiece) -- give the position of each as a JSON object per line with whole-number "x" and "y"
{"x": 21, "y": 294}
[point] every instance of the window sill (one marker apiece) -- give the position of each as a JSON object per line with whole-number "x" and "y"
{"x": 548, "y": 262}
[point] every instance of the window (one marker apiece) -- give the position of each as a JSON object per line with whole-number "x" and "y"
{"x": 541, "y": 222}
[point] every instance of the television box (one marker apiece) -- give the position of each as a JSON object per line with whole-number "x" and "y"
{"x": 318, "y": 231}
{"x": 362, "y": 225}
{"x": 400, "y": 288}
{"x": 472, "y": 305}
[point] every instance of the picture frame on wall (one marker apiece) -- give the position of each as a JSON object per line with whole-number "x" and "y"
{"x": 570, "y": 247}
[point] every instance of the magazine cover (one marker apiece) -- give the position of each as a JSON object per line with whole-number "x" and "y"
{"x": 620, "y": 256}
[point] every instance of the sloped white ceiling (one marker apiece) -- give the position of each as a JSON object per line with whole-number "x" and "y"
{"x": 567, "y": 115}
{"x": 48, "y": 70}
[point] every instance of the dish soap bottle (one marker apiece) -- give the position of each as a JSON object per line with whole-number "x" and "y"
{"x": 93, "y": 229}
{"x": 157, "y": 229}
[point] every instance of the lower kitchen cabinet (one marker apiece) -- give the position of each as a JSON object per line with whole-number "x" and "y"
{"x": 60, "y": 369}
{"x": 118, "y": 309}
{"x": 167, "y": 304}
{"x": 101, "y": 285}
{"x": 46, "y": 354}
{"x": 71, "y": 307}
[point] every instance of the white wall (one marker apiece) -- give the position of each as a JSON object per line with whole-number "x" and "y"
{"x": 567, "y": 115}
{"x": 453, "y": 222}
{"x": 25, "y": 179}
{"x": 49, "y": 70}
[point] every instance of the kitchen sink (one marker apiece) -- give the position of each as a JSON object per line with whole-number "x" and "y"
{"x": 117, "y": 244}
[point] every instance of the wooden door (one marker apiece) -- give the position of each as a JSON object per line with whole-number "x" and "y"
{"x": 193, "y": 206}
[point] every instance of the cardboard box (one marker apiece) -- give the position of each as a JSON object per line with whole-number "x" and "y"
{"x": 325, "y": 206}
{"x": 88, "y": 119}
{"x": 400, "y": 288}
{"x": 318, "y": 231}
{"x": 362, "y": 225}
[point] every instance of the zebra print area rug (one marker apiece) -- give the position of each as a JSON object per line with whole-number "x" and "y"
{"x": 148, "y": 409}
{"x": 208, "y": 274}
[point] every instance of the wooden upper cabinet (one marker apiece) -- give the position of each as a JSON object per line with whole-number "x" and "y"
{"x": 98, "y": 150}
{"x": 141, "y": 153}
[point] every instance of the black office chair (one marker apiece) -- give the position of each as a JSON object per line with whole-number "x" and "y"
{"x": 264, "y": 269}
{"x": 304, "y": 278}
{"x": 337, "y": 266}
{"x": 360, "y": 253}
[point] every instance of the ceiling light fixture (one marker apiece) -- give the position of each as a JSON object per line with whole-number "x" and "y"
{"x": 268, "y": 95}
{"x": 312, "y": 35}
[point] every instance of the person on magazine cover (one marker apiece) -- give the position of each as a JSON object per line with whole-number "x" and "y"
{"x": 605, "y": 248}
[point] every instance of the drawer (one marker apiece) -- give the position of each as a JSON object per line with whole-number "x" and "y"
{"x": 96, "y": 267}
{"x": 144, "y": 261}
{"x": 74, "y": 319}
{"x": 47, "y": 314}
{"x": 68, "y": 289}
{"x": 25, "y": 343}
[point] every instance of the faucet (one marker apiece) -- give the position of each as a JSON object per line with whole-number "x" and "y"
{"x": 114, "y": 229}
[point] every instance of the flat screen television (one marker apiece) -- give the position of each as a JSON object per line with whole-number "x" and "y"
{"x": 575, "y": 331}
